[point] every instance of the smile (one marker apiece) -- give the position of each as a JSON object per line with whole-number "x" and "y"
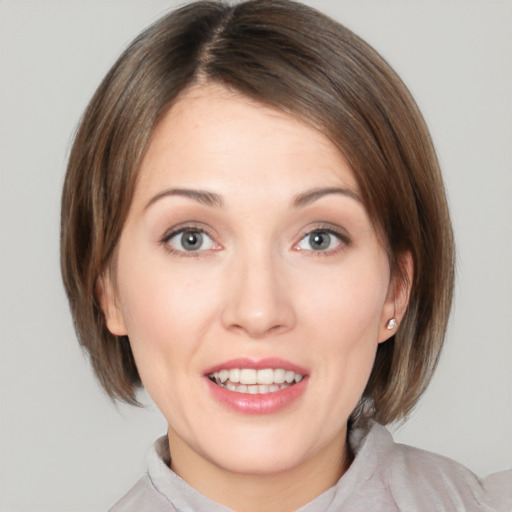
{"x": 254, "y": 382}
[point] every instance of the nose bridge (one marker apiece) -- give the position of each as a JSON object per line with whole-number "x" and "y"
{"x": 258, "y": 300}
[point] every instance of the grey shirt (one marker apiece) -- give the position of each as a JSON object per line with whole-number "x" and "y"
{"x": 384, "y": 477}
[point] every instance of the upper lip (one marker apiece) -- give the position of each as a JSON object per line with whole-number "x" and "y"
{"x": 257, "y": 364}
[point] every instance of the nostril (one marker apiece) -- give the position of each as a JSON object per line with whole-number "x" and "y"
{"x": 258, "y": 306}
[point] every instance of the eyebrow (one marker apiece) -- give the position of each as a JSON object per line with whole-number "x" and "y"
{"x": 215, "y": 200}
{"x": 310, "y": 196}
{"x": 201, "y": 196}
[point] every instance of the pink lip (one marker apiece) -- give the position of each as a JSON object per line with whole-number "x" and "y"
{"x": 257, "y": 364}
{"x": 266, "y": 403}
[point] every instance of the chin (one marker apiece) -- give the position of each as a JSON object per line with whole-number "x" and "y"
{"x": 262, "y": 450}
{"x": 259, "y": 462}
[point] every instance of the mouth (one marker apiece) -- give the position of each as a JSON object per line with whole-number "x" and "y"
{"x": 255, "y": 382}
{"x": 257, "y": 386}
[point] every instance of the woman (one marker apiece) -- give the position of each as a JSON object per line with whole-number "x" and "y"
{"x": 254, "y": 228}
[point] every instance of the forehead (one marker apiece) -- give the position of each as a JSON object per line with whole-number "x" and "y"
{"x": 226, "y": 142}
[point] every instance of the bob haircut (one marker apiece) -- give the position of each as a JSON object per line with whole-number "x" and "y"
{"x": 290, "y": 57}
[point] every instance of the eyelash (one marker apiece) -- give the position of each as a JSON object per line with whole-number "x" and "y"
{"x": 343, "y": 239}
{"x": 175, "y": 232}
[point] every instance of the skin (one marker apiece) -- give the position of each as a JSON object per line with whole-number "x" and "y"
{"x": 256, "y": 288}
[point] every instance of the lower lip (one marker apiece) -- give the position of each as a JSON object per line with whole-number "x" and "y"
{"x": 264, "y": 403}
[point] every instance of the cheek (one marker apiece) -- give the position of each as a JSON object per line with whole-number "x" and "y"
{"x": 345, "y": 321}
{"x": 166, "y": 309}
{"x": 348, "y": 304}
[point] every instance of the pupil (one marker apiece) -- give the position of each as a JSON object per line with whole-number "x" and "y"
{"x": 320, "y": 241}
{"x": 191, "y": 240}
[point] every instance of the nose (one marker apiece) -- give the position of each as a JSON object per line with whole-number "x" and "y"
{"x": 258, "y": 302}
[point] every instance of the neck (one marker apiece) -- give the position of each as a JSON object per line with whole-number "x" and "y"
{"x": 283, "y": 491}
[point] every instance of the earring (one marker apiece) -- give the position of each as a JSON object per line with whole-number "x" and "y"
{"x": 391, "y": 323}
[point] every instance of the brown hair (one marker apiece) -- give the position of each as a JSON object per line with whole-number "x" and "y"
{"x": 293, "y": 58}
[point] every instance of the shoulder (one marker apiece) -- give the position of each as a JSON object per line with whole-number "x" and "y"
{"x": 143, "y": 497}
{"x": 416, "y": 478}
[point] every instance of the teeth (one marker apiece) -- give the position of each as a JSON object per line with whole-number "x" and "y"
{"x": 234, "y": 375}
{"x": 289, "y": 377}
{"x": 248, "y": 376}
{"x": 279, "y": 376}
{"x": 265, "y": 376}
{"x": 249, "y": 380}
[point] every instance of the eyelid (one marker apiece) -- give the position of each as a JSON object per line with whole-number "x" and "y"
{"x": 186, "y": 225}
{"x": 182, "y": 228}
{"x": 339, "y": 233}
{"x": 336, "y": 231}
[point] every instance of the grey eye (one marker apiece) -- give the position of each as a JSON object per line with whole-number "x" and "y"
{"x": 191, "y": 240}
{"x": 319, "y": 241}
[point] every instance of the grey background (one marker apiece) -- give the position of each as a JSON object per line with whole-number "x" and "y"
{"x": 63, "y": 445}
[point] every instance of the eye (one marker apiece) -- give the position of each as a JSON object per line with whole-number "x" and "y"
{"x": 320, "y": 240}
{"x": 190, "y": 240}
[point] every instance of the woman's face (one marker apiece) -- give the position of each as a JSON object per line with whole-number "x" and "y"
{"x": 247, "y": 255}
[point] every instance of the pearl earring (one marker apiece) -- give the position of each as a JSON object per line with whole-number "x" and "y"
{"x": 391, "y": 323}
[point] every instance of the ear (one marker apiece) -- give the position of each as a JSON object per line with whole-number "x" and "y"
{"x": 110, "y": 305}
{"x": 397, "y": 299}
